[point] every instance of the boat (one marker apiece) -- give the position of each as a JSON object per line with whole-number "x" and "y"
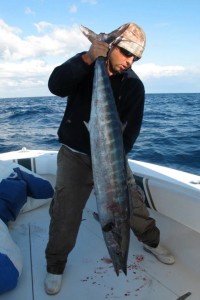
{"x": 173, "y": 198}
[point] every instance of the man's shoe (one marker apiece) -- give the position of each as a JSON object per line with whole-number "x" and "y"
{"x": 52, "y": 283}
{"x": 161, "y": 253}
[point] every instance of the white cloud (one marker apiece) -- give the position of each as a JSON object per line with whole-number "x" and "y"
{"x": 23, "y": 83}
{"x": 52, "y": 40}
{"x": 24, "y": 69}
{"x": 23, "y": 76}
{"x": 42, "y": 26}
{"x": 194, "y": 70}
{"x": 4, "y": 28}
{"x": 28, "y": 78}
{"x": 29, "y": 11}
{"x": 152, "y": 70}
{"x": 73, "y": 9}
{"x": 27, "y": 61}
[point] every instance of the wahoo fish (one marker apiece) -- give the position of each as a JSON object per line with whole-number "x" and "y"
{"x": 108, "y": 160}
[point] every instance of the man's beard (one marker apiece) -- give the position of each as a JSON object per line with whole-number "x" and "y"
{"x": 111, "y": 68}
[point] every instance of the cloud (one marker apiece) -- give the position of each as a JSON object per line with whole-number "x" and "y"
{"x": 152, "y": 70}
{"x": 27, "y": 78}
{"x": 43, "y": 26}
{"x": 24, "y": 69}
{"x": 73, "y": 9}
{"x": 27, "y": 61}
{"x": 29, "y": 11}
{"x": 52, "y": 40}
{"x": 169, "y": 78}
{"x": 4, "y": 28}
{"x": 194, "y": 70}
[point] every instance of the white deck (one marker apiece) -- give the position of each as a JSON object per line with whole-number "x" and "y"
{"x": 90, "y": 275}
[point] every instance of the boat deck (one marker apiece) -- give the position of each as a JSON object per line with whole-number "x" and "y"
{"x": 89, "y": 273}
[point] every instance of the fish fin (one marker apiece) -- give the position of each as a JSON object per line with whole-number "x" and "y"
{"x": 87, "y": 125}
{"x": 91, "y": 35}
{"x": 96, "y": 216}
{"x": 124, "y": 267}
{"x": 124, "y": 126}
{"x": 108, "y": 38}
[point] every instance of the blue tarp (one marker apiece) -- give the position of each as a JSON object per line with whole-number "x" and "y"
{"x": 8, "y": 274}
{"x": 15, "y": 189}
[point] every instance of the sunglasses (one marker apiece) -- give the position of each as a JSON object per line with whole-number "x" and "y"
{"x": 127, "y": 53}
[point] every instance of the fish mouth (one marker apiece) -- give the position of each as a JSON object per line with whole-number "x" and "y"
{"x": 117, "y": 245}
{"x": 119, "y": 262}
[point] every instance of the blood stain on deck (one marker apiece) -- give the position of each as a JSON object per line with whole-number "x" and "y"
{"x": 103, "y": 271}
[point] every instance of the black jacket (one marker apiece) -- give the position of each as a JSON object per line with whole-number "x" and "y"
{"x": 74, "y": 79}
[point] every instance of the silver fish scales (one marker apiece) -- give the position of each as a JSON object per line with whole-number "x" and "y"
{"x": 109, "y": 163}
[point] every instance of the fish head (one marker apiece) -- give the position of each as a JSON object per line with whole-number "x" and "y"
{"x": 117, "y": 240}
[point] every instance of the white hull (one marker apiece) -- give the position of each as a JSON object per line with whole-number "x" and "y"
{"x": 89, "y": 275}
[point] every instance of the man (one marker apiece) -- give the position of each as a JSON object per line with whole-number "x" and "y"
{"x": 74, "y": 182}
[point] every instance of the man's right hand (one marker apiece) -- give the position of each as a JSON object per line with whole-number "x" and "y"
{"x": 98, "y": 48}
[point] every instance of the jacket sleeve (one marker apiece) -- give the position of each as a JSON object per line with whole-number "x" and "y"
{"x": 132, "y": 113}
{"x": 65, "y": 78}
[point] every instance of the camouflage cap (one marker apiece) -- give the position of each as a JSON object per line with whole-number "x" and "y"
{"x": 132, "y": 39}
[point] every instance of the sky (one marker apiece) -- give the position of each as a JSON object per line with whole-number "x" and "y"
{"x": 38, "y": 35}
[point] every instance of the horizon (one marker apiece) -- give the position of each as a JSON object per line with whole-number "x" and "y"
{"x": 64, "y": 98}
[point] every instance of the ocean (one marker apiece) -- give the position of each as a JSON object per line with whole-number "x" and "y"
{"x": 170, "y": 134}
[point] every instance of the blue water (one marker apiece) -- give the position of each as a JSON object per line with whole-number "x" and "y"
{"x": 170, "y": 134}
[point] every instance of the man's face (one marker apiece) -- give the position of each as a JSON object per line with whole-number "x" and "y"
{"x": 118, "y": 61}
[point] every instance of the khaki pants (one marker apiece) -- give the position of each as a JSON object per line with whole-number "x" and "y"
{"x": 74, "y": 184}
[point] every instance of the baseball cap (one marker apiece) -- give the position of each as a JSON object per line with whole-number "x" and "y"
{"x": 133, "y": 39}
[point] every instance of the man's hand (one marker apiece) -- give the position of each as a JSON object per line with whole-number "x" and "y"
{"x": 97, "y": 49}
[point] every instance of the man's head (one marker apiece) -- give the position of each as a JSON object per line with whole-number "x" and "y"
{"x": 133, "y": 40}
{"x": 127, "y": 48}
